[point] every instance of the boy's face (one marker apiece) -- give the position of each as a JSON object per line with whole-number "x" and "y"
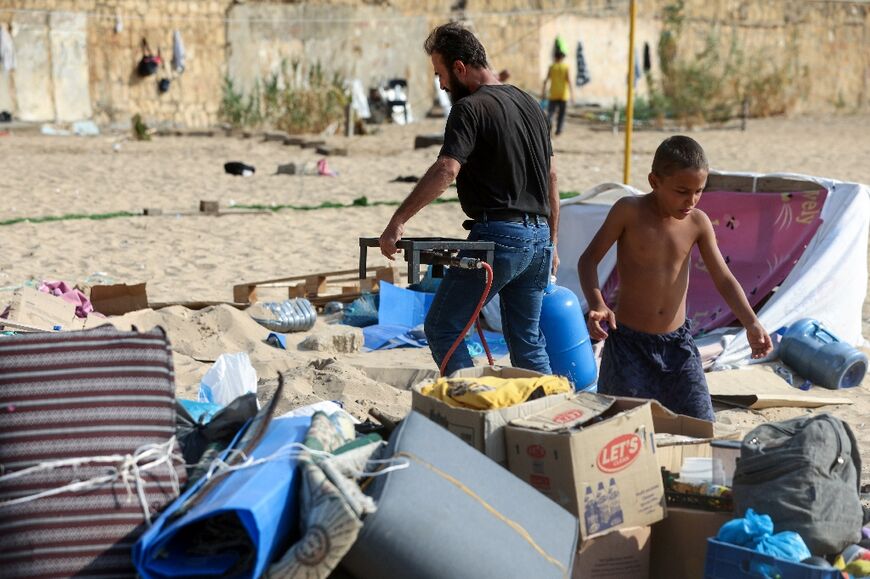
{"x": 679, "y": 192}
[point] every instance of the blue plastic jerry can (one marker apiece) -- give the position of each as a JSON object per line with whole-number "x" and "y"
{"x": 818, "y": 355}
{"x": 568, "y": 344}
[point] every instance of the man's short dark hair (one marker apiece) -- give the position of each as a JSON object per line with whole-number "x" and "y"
{"x": 677, "y": 153}
{"x": 453, "y": 42}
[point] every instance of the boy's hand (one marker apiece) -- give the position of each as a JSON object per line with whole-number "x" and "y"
{"x": 759, "y": 341}
{"x": 603, "y": 314}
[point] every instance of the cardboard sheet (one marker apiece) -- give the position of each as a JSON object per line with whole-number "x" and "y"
{"x": 118, "y": 299}
{"x": 759, "y": 387}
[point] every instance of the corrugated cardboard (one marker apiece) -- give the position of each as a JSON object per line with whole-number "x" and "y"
{"x": 758, "y": 387}
{"x": 679, "y": 543}
{"x": 606, "y": 472}
{"x": 620, "y": 554}
{"x": 41, "y": 310}
{"x": 671, "y": 456}
{"x": 677, "y": 436}
{"x": 118, "y": 299}
{"x": 484, "y": 430}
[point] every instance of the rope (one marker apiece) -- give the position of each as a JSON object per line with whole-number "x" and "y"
{"x": 128, "y": 469}
{"x": 358, "y": 202}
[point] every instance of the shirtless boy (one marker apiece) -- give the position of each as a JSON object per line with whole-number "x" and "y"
{"x": 648, "y": 350}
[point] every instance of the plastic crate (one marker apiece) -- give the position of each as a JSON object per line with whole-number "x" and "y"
{"x": 727, "y": 561}
{"x": 702, "y": 502}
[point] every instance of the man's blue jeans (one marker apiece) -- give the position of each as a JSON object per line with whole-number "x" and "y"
{"x": 521, "y": 269}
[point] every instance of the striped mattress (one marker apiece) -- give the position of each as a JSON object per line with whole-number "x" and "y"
{"x": 71, "y": 395}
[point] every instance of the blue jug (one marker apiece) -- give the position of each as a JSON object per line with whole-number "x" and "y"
{"x": 568, "y": 344}
{"x": 819, "y": 356}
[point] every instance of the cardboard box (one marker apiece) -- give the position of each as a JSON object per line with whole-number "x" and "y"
{"x": 679, "y": 543}
{"x": 605, "y": 472}
{"x": 484, "y": 430}
{"x": 679, "y": 437}
{"x": 41, "y": 310}
{"x": 620, "y": 554}
{"x": 118, "y": 299}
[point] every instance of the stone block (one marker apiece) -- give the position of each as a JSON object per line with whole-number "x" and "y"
{"x": 334, "y": 339}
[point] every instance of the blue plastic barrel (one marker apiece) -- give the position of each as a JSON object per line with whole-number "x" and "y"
{"x": 567, "y": 338}
{"x": 819, "y": 356}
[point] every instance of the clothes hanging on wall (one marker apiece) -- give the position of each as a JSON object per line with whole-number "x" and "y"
{"x": 583, "y": 77}
{"x": 7, "y": 50}
{"x": 178, "y": 54}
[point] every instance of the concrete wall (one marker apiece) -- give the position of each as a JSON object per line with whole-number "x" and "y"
{"x": 605, "y": 47}
{"x": 73, "y": 64}
{"x": 825, "y": 47}
{"x": 369, "y": 43}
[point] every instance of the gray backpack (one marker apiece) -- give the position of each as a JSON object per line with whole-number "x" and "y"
{"x": 805, "y": 474}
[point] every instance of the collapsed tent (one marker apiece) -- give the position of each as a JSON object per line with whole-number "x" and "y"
{"x": 801, "y": 251}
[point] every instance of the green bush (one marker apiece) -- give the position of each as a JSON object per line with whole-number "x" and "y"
{"x": 289, "y": 100}
{"x": 712, "y": 84}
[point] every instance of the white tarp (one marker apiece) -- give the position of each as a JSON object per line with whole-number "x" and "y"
{"x": 829, "y": 282}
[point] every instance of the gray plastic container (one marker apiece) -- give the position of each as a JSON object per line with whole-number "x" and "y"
{"x": 821, "y": 357}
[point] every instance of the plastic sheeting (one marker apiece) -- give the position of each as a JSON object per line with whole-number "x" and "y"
{"x": 828, "y": 283}
{"x": 236, "y": 527}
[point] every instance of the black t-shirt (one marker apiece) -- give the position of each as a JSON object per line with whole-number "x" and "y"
{"x": 500, "y": 136}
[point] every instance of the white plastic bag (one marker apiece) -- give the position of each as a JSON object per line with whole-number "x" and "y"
{"x": 230, "y": 377}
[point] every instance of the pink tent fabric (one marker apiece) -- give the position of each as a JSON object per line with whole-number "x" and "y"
{"x": 761, "y": 236}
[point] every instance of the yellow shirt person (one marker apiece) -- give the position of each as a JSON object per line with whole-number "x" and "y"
{"x": 560, "y": 91}
{"x": 560, "y": 87}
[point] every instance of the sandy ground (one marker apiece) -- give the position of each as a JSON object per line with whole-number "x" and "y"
{"x": 190, "y": 257}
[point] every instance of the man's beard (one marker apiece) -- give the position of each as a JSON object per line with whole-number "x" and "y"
{"x": 457, "y": 89}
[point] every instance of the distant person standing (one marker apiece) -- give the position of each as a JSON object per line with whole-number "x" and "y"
{"x": 560, "y": 90}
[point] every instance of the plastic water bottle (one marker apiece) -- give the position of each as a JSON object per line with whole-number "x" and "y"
{"x": 568, "y": 343}
{"x": 590, "y": 512}
{"x": 616, "y": 516}
{"x": 818, "y": 355}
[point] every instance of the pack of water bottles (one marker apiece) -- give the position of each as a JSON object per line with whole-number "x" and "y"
{"x": 595, "y": 455}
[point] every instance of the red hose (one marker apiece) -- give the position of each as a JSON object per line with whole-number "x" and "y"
{"x": 474, "y": 316}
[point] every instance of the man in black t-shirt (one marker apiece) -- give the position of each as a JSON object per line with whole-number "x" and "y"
{"x": 497, "y": 148}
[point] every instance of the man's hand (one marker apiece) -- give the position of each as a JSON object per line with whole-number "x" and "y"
{"x": 555, "y": 260}
{"x": 593, "y": 322}
{"x": 759, "y": 341}
{"x": 389, "y": 238}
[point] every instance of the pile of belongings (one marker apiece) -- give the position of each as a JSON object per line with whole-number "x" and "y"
{"x": 139, "y": 483}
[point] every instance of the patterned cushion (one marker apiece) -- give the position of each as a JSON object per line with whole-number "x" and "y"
{"x": 72, "y": 395}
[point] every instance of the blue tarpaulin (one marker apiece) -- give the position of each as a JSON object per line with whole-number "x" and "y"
{"x": 400, "y": 323}
{"x": 240, "y": 525}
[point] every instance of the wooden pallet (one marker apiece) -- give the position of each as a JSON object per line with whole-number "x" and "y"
{"x": 342, "y": 286}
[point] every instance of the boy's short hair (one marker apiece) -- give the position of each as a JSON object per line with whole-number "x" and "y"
{"x": 677, "y": 153}
{"x": 453, "y": 42}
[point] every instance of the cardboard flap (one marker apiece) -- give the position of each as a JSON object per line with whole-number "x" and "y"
{"x": 759, "y": 387}
{"x": 41, "y": 310}
{"x": 571, "y": 413}
{"x": 118, "y": 299}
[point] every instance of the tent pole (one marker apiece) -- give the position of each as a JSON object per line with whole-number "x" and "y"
{"x": 629, "y": 101}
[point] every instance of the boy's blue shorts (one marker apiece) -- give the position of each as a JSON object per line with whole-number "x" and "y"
{"x": 665, "y": 367}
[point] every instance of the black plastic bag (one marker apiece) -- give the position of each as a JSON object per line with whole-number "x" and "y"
{"x": 194, "y": 437}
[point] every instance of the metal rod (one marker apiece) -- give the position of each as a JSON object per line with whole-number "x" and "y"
{"x": 629, "y": 101}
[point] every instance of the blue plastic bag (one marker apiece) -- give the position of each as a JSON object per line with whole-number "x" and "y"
{"x": 362, "y": 312}
{"x": 755, "y": 531}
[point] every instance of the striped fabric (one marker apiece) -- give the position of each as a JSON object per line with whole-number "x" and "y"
{"x": 72, "y": 395}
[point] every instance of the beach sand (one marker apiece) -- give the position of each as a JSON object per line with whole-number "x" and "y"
{"x": 183, "y": 256}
